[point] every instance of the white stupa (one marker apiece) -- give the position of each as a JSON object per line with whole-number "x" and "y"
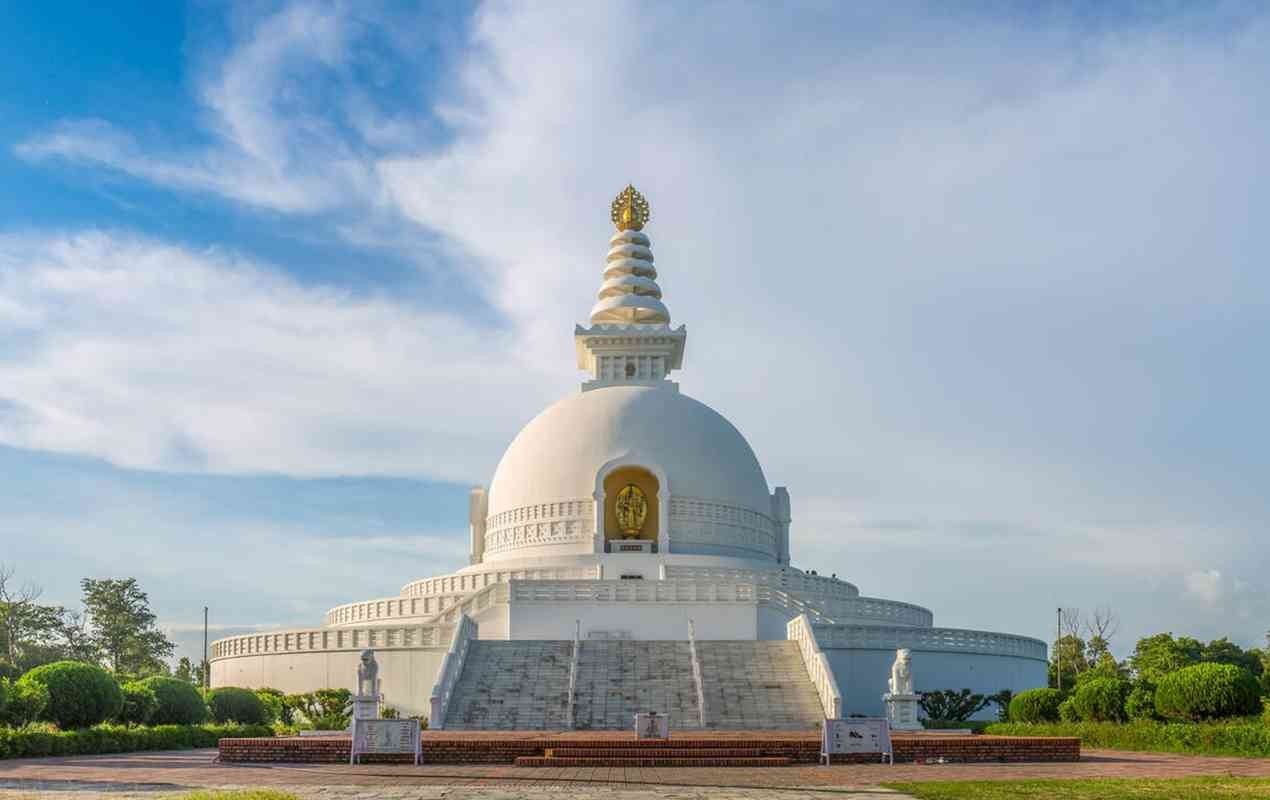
{"x": 619, "y": 520}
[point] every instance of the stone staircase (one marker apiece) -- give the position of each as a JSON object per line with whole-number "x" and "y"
{"x": 617, "y": 678}
{"x": 524, "y": 685}
{"x": 512, "y": 685}
{"x": 760, "y": 685}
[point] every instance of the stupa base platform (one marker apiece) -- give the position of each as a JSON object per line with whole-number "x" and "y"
{"x": 620, "y": 748}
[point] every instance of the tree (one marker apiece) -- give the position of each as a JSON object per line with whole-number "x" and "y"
{"x": 184, "y": 671}
{"x": 32, "y": 634}
{"x": 123, "y": 627}
{"x": 951, "y": 705}
{"x": 1070, "y": 653}
{"x": 1224, "y": 651}
{"x": 1100, "y": 627}
{"x": 1156, "y": 656}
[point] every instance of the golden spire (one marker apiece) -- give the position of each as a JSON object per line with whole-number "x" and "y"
{"x": 630, "y": 210}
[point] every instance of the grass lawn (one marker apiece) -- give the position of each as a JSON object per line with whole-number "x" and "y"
{"x": 1098, "y": 789}
{"x": 236, "y": 794}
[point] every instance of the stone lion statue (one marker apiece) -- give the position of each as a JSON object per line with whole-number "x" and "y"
{"x": 902, "y": 673}
{"x": 368, "y": 675}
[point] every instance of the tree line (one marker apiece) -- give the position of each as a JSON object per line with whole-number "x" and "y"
{"x": 114, "y": 628}
{"x": 1083, "y": 650}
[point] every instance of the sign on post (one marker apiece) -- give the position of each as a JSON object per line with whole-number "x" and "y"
{"x": 386, "y": 736}
{"x": 856, "y": 735}
{"x": 651, "y": 725}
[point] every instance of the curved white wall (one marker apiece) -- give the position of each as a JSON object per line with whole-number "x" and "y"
{"x": 407, "y": 675}
{"x": 862, "y": 675}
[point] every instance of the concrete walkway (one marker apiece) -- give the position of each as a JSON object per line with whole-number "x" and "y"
{"x": 152, "y": 775}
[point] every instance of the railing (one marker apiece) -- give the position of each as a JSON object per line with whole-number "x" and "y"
{"x": 800, "y": 630}
{"x": 942, "y": 640}
{"x": 783, "y": 577}
{"x": 570, "y": 714}
{"x": 317, "y": 640}
{"x": 467, "y": 582}
{"x": 451, "y": 669}
{"x": 619, "y": 591}
{"x": 696, "y": 674}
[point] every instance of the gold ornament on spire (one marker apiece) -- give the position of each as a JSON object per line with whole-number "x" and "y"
{"x": 630, "y": 210}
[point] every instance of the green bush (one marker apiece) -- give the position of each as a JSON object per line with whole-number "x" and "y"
{"x": 276, "y": 709}
{"x": 1140, "y": 704}
{"x": 1100, "y": 700}
{"x": 231, "y": 704}
{"x": 1265, "y": 710}
{"x": 1207, "y": 691}
{"x": 179, "y": 701}
{"x": 23, "y": 704}
{"x": 139, "y": 704}
{"x": 1036, "y": 705}
{"x": 1067, "y": 711}
{"x": 79, "y": 695}
{"x": 1232, "y": 737}
{"x": 31, "y": 742}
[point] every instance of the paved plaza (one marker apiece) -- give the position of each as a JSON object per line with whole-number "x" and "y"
{"x": 153, "y": 775}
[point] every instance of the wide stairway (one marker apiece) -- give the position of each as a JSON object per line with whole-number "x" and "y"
{"x": 514, "y": 686}
{"x": 524, "y": 685}
{"x": 759, "y": 685}
{"x": 617, "y": 678}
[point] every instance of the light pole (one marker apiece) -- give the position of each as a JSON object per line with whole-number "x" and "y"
{"x": 1058, "y": 651}
{"x": 207, "y": 679}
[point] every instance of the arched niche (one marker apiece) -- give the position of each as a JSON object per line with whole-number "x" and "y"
{"x": 610, "y": 480}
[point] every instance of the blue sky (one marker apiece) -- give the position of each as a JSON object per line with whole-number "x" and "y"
{"x": 985, "y": 289}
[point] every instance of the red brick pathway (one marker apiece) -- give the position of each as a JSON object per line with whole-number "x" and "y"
{"x": 197, "y": 768}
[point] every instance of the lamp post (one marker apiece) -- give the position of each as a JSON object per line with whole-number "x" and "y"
{"x": 1058, "y": 651}
{"x": 207, "y": 679}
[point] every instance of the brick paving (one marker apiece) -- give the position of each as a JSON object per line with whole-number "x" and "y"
{"x": 151, "y": 774}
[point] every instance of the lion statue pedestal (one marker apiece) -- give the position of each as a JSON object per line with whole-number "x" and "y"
{"x": 901, "y": 701}
{"x": 366, "y": 701}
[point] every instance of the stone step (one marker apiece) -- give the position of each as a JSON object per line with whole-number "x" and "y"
{"x": 662, "y": 761}
{"x": 655, "y": 752}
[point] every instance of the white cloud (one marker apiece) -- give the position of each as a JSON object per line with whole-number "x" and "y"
{"x": 1206, "y": 586}
{"x": 153, "y": 356}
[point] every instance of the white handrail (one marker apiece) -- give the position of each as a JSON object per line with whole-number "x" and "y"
{"x": 573, "y": 674}
{"x": 451, "y": 669}
{"x": 800, "y": 630}
{"x": 696, "y": 673}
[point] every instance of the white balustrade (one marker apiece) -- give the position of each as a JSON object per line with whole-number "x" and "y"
{"x": 942, "y": 640}
{"x": 451, "y": 668}
{"x": 697, "y": 678}
{"x": 330, "y": 640}
{"x": 800, "y": 630}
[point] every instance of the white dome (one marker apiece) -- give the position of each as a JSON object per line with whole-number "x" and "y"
{"x": 558, "y": 455}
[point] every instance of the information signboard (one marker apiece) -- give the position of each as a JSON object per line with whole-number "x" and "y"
{"x": 386, "y": 736}
{"x": 856, "y": 735}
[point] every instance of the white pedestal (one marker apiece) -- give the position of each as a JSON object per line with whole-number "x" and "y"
{"x": 901, "y": 711}
{"x": 365, "y": 707}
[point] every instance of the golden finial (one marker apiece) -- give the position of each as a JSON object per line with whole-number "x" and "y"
{"x": 630, "y": 210}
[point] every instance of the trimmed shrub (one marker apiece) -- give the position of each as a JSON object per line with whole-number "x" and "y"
{"x": 1207, "y": 691}
{"x": 1100, "y": 700}
{"x": 119, "y": 739}
{"x": 1036, "y": 705}
{"x": 1140, "y": 704}
{"x": 139, "y": 704}
{"x": 179, "y": 701}
{"x": 1234, "y": 737}
{"x": 231, "y": 704}
{"x": 79, "y": 695}
{"x": 1265, "y": 711}
{"x": 24, "y": 703}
